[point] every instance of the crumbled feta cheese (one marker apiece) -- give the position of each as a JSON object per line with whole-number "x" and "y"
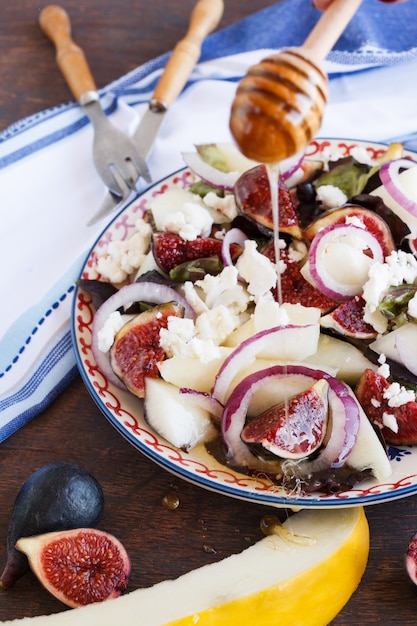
{"x": 362, "y": 156}
{"x": 106, "y": 335}
{"x": 384, "y": 369}
{"x": 224, "y": 289}
{"x": 297, "y": 251}
{"x": 216, "y": 324}
{"x": 375, "y": 403}
{"x": 268, "y": 313}
{"x": 397, "y": 395}
{"x": 225, "y": 206}
{"x": 193, "y": 297}
{"x": 331, "y": 197}
{"x": 122, "y": 257}
{"x": 256, "y": 269}
{"x": 399, "y": 267}
{"x": 390, "y": 421}
{"x": 179, "y": 339}
{"x": 173, "y": 338}
{"x": 354, "y": 220}
{"x": 191, "y": 222}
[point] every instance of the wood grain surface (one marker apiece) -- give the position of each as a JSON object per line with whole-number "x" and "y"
{"x": 206, "y": 527}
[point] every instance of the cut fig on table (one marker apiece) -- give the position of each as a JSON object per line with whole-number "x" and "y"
{"x": 58, "y": 496}
{"x": 253, "y": 199}
{"x": 398, "y": 424}
{"x": 293, "y": 429}
{"x": 136, "y": 352}
{"x": 80, "y": 566}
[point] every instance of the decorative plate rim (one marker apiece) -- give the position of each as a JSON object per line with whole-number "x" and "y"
{"x": 125, "y": 412}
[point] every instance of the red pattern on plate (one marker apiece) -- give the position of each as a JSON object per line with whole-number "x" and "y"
{"x": 121, "y": 404}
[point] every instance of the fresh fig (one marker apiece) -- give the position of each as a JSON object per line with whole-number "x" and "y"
{"x": 60, "y": 496}
{"x": 398, "y": 424}
{"x": 136, "y": 352}
{"x": 79, "y": 566}
{"x": 411, "y": 560}
{"x": 295, "y": 429}
{"x": 171, "y": 250}
{"x": 294, "y": 287}
{"x": 347, "y": 319}
{"x": 253, "y": 198}
{"x": 353, "y": 213}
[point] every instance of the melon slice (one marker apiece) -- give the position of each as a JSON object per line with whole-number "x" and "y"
{"x": 303, "y": 575}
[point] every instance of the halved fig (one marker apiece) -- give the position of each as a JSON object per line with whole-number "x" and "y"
{"x": 352, "y": 213}
{"x": 411, "y": 560}
{"x": 136, "y": 352}
{"x": 253, "y": 199}
{"x": 347, "y": 319}
{"x": 171, "y": 250}
{"x": 293, "y": 429}
{"x": 398, "y": 424}
{"x": 294, "y": 287}
{"x": 78, "y": 566}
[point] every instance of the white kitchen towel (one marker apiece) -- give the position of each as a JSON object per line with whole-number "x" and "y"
{"x": 49, "y": 188}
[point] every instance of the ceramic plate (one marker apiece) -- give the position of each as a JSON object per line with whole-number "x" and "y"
{"x": 125, "y": 411}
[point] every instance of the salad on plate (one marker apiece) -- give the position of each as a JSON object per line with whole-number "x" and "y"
{"x": 300, "y": 369}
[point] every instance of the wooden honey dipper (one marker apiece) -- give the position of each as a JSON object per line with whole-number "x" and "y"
{"x": 279, "y": 104}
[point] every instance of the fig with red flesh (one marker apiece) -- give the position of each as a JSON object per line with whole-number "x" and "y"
{"x": 293, "y": 429}
{"x": 136, "y": 352}
{"x": 370, "y": 220}
{"x": 371, "y": 391}
{"x": 253, "y": 199}
{"x": 170, "y": 250}
{"x": 78, "y": 566}
{"x": 347, "y": 319}
{"x": 59, "y": 496}
{"x": 411, "y": 560}
{"x": 295, "y": 288}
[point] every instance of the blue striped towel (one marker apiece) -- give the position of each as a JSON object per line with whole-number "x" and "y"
{"x": 49, "y": 188}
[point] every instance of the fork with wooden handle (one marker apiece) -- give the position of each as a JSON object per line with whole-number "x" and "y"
{"x": 204, "y": 18}
{"x": 117, "y": 160}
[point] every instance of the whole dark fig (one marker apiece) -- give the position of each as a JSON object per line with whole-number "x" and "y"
{"x": 60, "y": 496}
{"x": 78, "y": 566}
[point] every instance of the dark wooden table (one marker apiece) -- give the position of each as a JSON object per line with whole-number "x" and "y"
{"x": 118, "y": 36}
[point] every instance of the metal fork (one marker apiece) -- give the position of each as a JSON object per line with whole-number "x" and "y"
{"x": 115, "y": 155}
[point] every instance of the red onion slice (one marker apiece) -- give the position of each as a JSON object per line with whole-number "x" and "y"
{"x": 135, "y": 292}
{"x": 319, "y": 271}
{"x": 205, "y": 401}
{"x": 389, "y": 175}
{"x": 253, "y": 347}
{"x": 344, "y": 427}
{"x": 290, "y": 166}
{"x": 234, "y": 235}
{"x": 208, "y": 173}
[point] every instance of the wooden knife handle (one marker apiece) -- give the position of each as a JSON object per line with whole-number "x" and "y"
{"x": 55, "y": 23}
{"x": 204, "y": 18}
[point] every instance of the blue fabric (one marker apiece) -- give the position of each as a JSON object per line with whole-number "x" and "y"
{"x": 390, "y": 27}
{"x": 379, "y": 34}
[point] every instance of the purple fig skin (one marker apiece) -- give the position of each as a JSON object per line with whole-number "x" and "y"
{"x": 60, "y": 496}
{"x": 411, "y": 561}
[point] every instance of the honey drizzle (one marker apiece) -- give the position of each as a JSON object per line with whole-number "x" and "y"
{"x": 273, "y": 171}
